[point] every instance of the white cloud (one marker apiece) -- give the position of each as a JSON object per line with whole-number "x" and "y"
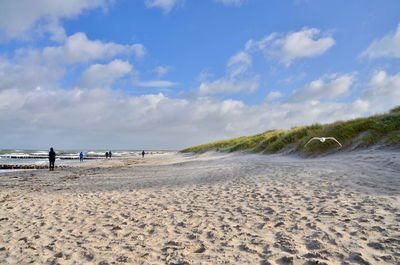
{"x": 57, "y": 32}
{"x": 273, "y": 95}
{"x": 301, "y": 44}
{"x": 104, "y": 75}
{"x": 78, "y": 48}
{"x": 383, "y": 91}
{"x": 239, "y": 64}
{"x": 45, "y": 67}
{"x": 168, "y": 5}
{"x": 255, "y": 46}
{"x": 327, "y": 87}
{"x": 293, "y": 45}
{"x": 156, "y": 83}
{"x": 87, "y": 117}
{"x": 388, "y": 46}
{"x": 287, "y": 48}
{"x": 228, "y": 86}
{"x": 27, "y": 73}
{"x": 236, "y": 79}
{"x": 36, "y": 113}
{"x": 19, "y": 19}
{"x": 161, "y": 70}
{"x": 165, "y": 5}
{"x": 231, "y": 2}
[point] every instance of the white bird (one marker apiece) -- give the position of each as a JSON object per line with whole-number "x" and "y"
{"x": 322, "y": 139}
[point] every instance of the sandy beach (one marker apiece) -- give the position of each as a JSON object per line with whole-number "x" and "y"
{"x": 206, "y": 209}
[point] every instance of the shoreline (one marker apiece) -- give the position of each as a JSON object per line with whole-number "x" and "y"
{"x": 213, "y": 208}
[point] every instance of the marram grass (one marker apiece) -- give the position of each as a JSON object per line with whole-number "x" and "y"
{"x": 383, "y": 129}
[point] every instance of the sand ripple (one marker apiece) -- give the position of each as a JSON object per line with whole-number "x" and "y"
{"x": 209, "y": 209}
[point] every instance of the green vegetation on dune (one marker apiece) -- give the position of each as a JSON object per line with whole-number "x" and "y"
{"x": 381, "y": 129}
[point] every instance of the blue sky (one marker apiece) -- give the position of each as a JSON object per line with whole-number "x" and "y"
{"x": 166, "y": 74}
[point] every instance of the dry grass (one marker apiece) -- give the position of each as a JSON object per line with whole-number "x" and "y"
{"x": 363, "y": 132}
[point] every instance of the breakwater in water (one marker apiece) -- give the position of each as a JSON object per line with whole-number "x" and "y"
{"x": 27, "y": 167}
{"x": 39, "y": 159}
{"x": 65, "y": 157}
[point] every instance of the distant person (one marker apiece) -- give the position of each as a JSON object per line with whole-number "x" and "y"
{"x": 81, "y": 156}
{"x": 109, "y": 154}
{"x": 143, "y": 153}
{"x": 106, "y": 155}
{"x": 52, "y": 158}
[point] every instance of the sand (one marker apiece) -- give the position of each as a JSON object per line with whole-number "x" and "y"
{"x": 206, "y": 209}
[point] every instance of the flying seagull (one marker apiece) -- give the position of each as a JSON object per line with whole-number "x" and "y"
{"x": 322, "y": 139}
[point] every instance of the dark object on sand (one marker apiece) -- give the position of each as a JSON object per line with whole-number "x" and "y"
{"x": 52, "y": 158}
{"x": 106, "y": 154}
{"x": 109, "y": 154}
{"x": 143, "y": 153}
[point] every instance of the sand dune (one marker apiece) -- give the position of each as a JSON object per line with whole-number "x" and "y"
{"x": 206, "y": 209}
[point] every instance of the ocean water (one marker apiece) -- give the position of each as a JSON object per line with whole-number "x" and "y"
{"x": 63, "y": 158}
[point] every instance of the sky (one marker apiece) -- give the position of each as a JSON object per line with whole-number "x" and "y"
{"x": 168, "y": 74}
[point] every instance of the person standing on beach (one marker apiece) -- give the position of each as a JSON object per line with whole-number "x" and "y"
{"x": 81, "y": 156}
{"x": 143, "y": 153}
{"x": 52, "y": 158}
{"x": 106, "y": 155}
{"x": 109, "y": 154}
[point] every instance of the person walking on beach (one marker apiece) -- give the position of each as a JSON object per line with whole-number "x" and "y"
{"x": 52, "y": 158}
{"x": 81, "y": 156}
{"x": 109, "y": 154}
{"x": 143, "y": 153}
{"x": 106, "y": 155}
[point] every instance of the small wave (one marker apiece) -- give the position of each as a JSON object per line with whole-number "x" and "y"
{"x": 41, "y": 163}
{"x": 15, "y": 154}
{"x": 40, "y": 153}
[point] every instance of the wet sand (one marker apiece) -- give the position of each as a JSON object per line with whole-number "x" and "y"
{"x": 206, "y": 209}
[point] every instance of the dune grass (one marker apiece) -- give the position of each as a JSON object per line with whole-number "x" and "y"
{"x": 383, "y": 129}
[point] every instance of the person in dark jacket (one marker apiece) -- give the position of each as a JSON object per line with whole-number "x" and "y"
{"x": 52, "y": 158}
{"x": 109, "y": 154}
{"x": 143, "y": 153}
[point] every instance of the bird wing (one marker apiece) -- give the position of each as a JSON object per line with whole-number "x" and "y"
{"x": 314, "y": 138}
{"x": 332, "y": 138}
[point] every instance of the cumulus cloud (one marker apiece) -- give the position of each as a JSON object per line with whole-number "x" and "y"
{"x": 104, "y": 75}
{"x": 19, "y": 19}
{"x": 151, "y": 120}
{"x": 236, "y": 79}
{"x": 165, "y": 5}
{"x": 383, "y": 91}
{"x": 161, "y": 70}
{"x": 57, "y": 32}
{"x": 387, "y": 47}
{"x": 168, "y": 5}
{"x": 239, "y": 64}
{"x": 27, "y": 73}
{"x": 293, "y": 45}
{"x": 85, "y": 117}
{"x": 327, "y": 87}
{"x": 231, "y": 2}
{"x": 30, "y": 68}
{"x": 272, "y": 96}
{"x": 260, "y": 45}
{"x": 286, "y": 48}
{"x": 156, "y": 83}
{"x": 78, "y": 48}
{"x": 228, "y": 86}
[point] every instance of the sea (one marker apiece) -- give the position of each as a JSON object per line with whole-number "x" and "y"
{"x": 63, "y": 158}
